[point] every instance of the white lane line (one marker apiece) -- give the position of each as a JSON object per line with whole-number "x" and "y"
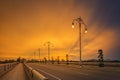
{"x": 50, "y": 74}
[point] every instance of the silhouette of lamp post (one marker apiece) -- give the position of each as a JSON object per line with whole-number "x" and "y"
{"x": 80, "y": 22}
{"x": 49, "y": 44}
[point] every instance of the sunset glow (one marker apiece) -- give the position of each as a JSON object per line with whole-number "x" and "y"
{"x": 26, "y": 26}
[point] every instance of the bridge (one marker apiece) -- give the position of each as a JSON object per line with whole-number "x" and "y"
{"x": 48, "y": 71}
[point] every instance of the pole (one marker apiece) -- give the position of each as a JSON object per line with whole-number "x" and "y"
{"x": 80, "y": 22}
{"x": 39, "y": 54}
{"x": 34, "y": 55}
{"x": 48, "y": 51}
{"x": 49, "y": 45}
{"x": 80, "y": 37}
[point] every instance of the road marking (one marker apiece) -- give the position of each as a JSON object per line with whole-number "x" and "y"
{"x": 50, "y": 74}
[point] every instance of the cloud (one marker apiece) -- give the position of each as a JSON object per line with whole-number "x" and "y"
{"x": 27, "y": 25}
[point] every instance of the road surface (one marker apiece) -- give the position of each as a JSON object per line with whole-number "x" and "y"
{"x": 75, "y": 72}
{"x": 16, "y": 73}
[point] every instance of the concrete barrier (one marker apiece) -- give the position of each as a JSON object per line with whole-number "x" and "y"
{"x": 33, "y": 74}
{"x": 4, "y": 68}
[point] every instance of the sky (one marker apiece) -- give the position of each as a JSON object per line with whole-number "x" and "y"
{"x": 26, "y": 25}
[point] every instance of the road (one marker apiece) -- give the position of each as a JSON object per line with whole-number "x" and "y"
{"x": 16, "y": 73}
{"x": 75, "y": 72}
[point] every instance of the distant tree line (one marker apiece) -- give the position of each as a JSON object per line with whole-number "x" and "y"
{"x": 13, "y": 60}
{"x": 8, "y": 61}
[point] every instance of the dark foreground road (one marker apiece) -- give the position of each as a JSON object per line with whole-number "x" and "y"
{"x": 74, "y": 72}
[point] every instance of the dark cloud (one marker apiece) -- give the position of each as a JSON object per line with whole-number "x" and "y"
{"x": 108, "y": 12}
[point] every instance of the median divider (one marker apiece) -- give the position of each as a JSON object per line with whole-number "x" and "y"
{"x": 33, "y": 74}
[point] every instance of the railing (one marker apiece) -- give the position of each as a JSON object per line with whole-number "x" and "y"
{"x": 90, "y": 63}
{"x": 4, "y": 68}
{"x": 33, "y": 74}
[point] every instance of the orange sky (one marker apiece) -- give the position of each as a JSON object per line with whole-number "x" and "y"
{"x": 27, "y": 25}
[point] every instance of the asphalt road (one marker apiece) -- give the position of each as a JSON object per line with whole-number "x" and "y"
{"x": 75, "y": 72}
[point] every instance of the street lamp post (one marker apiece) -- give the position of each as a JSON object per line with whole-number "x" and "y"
{"x": 49, "y": 45}
{"x": 48, "y": 51}
{"x": 80, "y": 22}
{"x": 39, "y": 55}
{"x": 34, "y": 55}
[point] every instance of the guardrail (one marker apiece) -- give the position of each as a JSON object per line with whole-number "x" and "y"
{"x": 4, "y": 68}
{"x": 109, "y": 64}
{"x": 33, "y": 74}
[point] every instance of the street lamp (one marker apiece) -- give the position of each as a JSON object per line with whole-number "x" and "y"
{"x": 80, "y": 22}
{"x": 39, "y": 54}
{"x": 49, "y": 44}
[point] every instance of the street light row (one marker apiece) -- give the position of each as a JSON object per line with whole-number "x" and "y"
{"x": 49, "y": 45}
{"x": 80, "y": 22}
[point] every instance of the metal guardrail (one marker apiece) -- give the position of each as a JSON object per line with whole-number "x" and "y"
{"x": 4, "y": 68}
{"x": 33, "y": 74}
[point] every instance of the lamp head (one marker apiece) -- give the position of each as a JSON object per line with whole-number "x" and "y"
{"x": 73, "y": 25}
{"x": 85, "y": 30}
